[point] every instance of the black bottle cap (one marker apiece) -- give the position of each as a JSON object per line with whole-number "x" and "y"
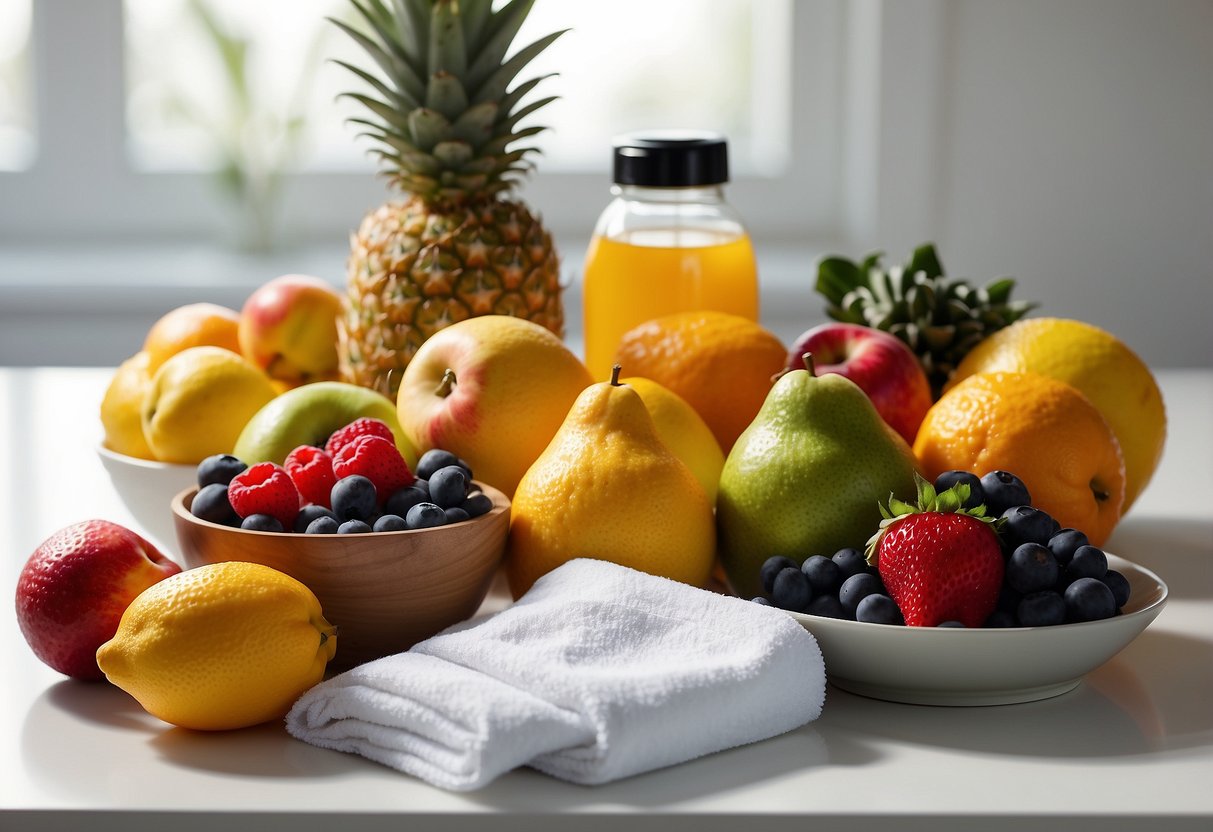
{"x": 671, "y": 159}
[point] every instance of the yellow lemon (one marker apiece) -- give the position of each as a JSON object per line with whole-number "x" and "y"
{"x": 122, "y": 405}
{"x": 223, "y": 646}
{"x": 683, "y": 431}
{"x": 1094, "y": 362}
{"x": 199, "y": 401}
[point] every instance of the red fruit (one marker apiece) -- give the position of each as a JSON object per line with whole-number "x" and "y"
{"x": 378, "y": 460}
{"x": 265, "y": 488}
{"x": 365, "y": 426}
{"x": 311, "y": 469}
{"x": 938, "y": 561}
{"x": 74, "y": 588}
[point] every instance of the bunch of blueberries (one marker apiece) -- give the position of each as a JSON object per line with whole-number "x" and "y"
{"x": 1052, "y": 575}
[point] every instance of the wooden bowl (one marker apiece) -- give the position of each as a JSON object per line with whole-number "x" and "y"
{"x": 384, "y": 591}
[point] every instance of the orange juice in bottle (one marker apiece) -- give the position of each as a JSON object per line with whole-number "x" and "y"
{"x": 667, "y": 243}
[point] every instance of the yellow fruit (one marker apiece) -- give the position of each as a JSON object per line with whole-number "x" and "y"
{"x": 220, "y": 647}
{"x": 122, "y": 405}
{"x": 683, "y": 431}
{"x": 608, "y": 488}
{"x": 192, "y": 325}
{"x": 1100, "y": 367}
{"x": 1043, "y": 431}
{"x": 721, "y": 364}
{"x": 198, "y": 403}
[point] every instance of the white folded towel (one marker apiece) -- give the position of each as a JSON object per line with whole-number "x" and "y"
{"x": 599, "y": 672}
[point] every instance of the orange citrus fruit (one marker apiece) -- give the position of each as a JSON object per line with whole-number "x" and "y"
{"x": 1040, "y": 429}
{"x": 721, "y": 364}
{"x": 192, "y": 325}
{"x": 1100, "y": 367}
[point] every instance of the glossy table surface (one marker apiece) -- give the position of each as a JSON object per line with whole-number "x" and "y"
{"x": 1133, "y": 741}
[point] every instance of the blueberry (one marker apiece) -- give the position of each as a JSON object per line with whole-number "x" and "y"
{"x": 424, "y": 485}
{"x": 353, "y": 498}
{"x": 1089, "y": 599}
{"x": 261, "y": 523}
{"x": 390, "y": 523}
{"x": 323, "y": 525}
{"x": 1031, "y": 568}
{"x": 827, "y": 606}
{"x": 448, "y": 486}
{"x": 855, "y": 588}
{"x": 353, "y": 527}
{"x": 791, "y": 590}
{"x": 1065, "y": 542}
{"x": 1024, "y": 524}
{"x": 1041, "y": 609}
{"x": 309, "y": 513}
{"x": 1088, "y": 562}
{"x": 1000, "y": 619}
{"x": 947, "y": 479}
{"x": 402, "y": 499}
{"x": 951, "y": 625}
{"x": 1003, "y": 490}
{"x": 477, "y": 503}
{"x": 850, "y": 562}
{"x": 771, "y": 567}
{"x": 211, "y": 504}
{"x": 432, "y": 460}
{"x": 1008, "y": 598}
{"x": 456, "y": 515}
{"x": 758, "y": 599}
{"x": 824, "y": 575}
{"x": 425, "y": 516}
{"x": 1119, "y": 585}
{"x": 219, "y": 469}
{"x": 878, "y": 609}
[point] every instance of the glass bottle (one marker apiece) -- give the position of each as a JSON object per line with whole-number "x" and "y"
{"x": 668, "y": 242}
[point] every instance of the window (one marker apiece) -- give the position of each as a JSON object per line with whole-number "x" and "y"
{"x": 16, "y": 110}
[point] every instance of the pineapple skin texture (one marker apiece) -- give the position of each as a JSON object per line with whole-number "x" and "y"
{"x": 415, "y": 268}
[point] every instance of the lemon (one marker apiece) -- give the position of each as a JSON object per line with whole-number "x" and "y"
{"x": 223, "y": 646}
{"x": 1094, "y": 362}
{"x": 122, "y": 405}
{"x": 199, "y": 401}
{"x": 683, "y": 431}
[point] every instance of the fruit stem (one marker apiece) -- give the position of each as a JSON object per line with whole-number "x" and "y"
{"x": 615, "y": 375}
{"x": 447, "y": 384}
{"x": 809, "y": 365}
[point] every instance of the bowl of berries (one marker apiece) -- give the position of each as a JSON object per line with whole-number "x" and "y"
{"x": 970, "y": 597}
{"x": 145, "y": 487}
{"x": 394, "y": 555}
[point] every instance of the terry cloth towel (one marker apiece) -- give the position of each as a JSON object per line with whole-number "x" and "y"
{"x": 599, "y": 672}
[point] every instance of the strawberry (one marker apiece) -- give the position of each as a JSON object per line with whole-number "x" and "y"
{"x": 939, "y": 561}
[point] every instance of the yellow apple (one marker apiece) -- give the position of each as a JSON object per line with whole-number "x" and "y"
{"x": 288, "y": 328}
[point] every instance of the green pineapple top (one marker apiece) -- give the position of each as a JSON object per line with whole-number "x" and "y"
{"x": 443, "y": 120}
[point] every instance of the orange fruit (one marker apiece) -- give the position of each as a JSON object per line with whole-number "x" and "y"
{"x": 1040, "y": 429}
{"x": 721, "y": 364}
{"x": 1100, "y": 367}
{"x": 192, "y": 325}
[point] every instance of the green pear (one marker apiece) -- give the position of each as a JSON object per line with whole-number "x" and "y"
{"x": 307, "y": 415}
{"x": 805, "y": 478}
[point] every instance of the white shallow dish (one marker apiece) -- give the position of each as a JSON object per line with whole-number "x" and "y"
{"x": 945, "y": 666}
{"x": 147, "y": 489}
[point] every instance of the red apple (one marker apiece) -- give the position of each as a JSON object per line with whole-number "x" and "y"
{"x": 74, "y": 588}
{"x": 288, "y": 328}
{"x": 881, "y": 365}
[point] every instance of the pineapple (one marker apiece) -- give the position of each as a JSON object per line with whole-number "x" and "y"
{"x": 446, "y": 132}
{"x": 940, "y": 320}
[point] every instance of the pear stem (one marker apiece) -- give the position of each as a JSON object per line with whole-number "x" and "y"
{"x": 447, "y": 384}
{"x": 615, "y": 375}
{"x": 809, "y": 365}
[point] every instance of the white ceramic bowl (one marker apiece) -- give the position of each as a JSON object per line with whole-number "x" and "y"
{"x": 147, "y": 489}
{"x": 945, "y": 666}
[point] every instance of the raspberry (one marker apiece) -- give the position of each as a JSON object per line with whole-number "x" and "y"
{"x": 378, "y": 460}
{"x": 265, "y": 488}
{"x": 365, "y": 426}
{"x": 311, "y": 469}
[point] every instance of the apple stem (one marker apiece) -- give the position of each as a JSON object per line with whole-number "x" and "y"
{"x": 808, "y": 364}
{"x": 615, "y": 375}
{"x": 447, "y": 384}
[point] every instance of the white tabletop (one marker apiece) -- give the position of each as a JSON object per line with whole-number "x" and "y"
{"x": 1133, "y": 741}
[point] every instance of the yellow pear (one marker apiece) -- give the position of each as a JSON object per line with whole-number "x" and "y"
{"x": 683, "y": 431}
{"x": 607, "y": 487}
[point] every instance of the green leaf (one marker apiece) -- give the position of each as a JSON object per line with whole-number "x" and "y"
{"x": 403, "y": 80}
{"x": 948, "y": 502}
{"x": 427, "y": 128}
{"x": 512, "y": 121}
{"x": 924, "y": 259}
{"x": 511, "y": 98}
{"x": 453, "y": 154}
{"x": 395, "y": 97}
{"x": 445, "y": 94}
{"x": 1000, "y": 290}
{"x": 412, "y": 25}
{"x": 388, "y": 113}
{"x": 475, "y": 124}
{"x": 495, "y": 85}
{"x": 475, "y": 14}
{"x": 500, "y": 29}
{"x": 836, "y": 276}
{"x": 446, "y": 40}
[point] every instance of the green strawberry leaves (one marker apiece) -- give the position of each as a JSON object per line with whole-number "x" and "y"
{"x": 949, "y": 501}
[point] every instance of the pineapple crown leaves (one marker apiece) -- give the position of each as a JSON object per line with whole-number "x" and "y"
{"x": 949, "y": 501}
{"x": 441, "y": 108}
